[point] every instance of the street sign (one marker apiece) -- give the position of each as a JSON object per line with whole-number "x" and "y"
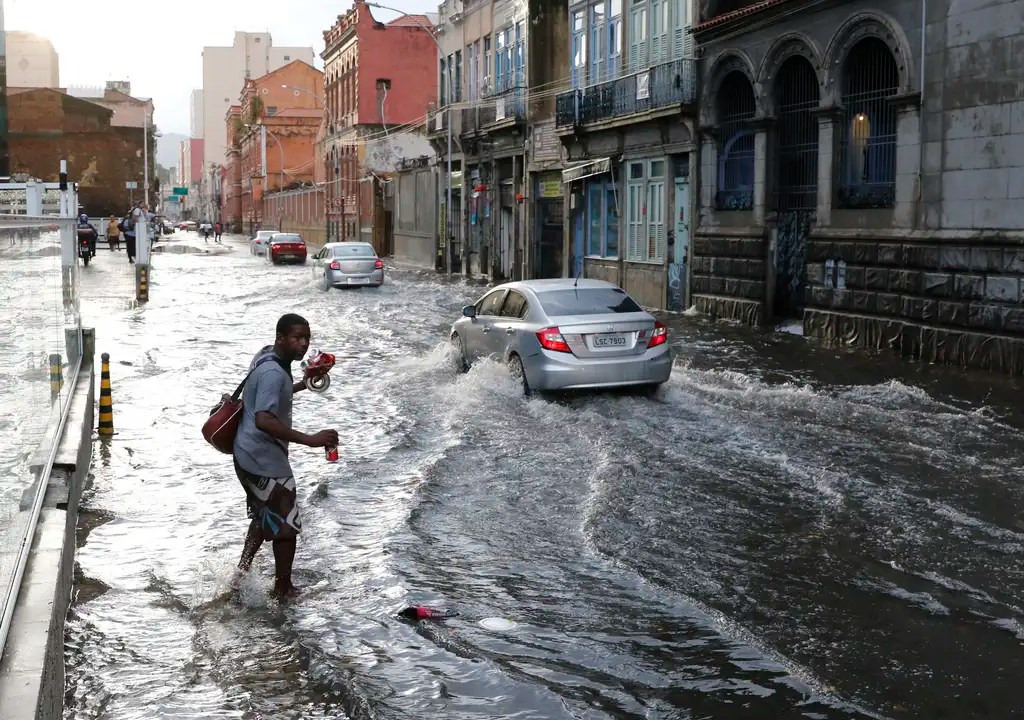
{"x": 173, "y": 198}
{"x": 131, "y": 185}
{"x": 180, "y": 191}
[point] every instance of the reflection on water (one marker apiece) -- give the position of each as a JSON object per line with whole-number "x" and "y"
{"x": 782, "y": 532}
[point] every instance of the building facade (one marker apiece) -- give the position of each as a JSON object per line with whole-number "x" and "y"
{"x": 47, "y": 126}
{"x": 378, "y": 80}
{"x": 628, "y": 129}
{"x": 275, "y": 131}
{"x": 860, "y": 173}
{"x": 32, "y": 61}
{"x": 225, "y": 69}
{"x": 195, "y": 114}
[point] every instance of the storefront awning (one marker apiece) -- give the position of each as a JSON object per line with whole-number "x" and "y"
{"x": 586, "y": 169}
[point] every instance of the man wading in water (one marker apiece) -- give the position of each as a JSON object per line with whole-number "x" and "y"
{"x": 261, "y": 450}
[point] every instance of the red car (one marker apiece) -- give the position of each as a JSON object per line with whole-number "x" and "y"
{"x": 286, "y": 247}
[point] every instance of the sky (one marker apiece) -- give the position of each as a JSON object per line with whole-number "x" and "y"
{"x": 159, "y": 46}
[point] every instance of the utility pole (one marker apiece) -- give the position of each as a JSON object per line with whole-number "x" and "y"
{"x": 145, "y": 155}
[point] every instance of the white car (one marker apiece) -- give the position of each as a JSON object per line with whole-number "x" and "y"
{"x": 258, "y": 245}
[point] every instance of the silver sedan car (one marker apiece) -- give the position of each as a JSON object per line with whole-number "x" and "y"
{"x": 565, "y": 335}
{"x": 348, "y": 264}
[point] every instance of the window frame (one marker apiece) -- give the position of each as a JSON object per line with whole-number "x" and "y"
{"x": 480, "y": 303}
{"x": 522, "y": 311}
{"x": 646, "y": 210}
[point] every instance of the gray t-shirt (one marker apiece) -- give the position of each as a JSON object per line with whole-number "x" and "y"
{"x": 269, "y": 389}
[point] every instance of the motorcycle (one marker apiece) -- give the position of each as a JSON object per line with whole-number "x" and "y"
{"x": 84, "y": 250}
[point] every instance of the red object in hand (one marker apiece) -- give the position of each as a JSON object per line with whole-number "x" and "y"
{"x": 332, "y": 454}
{"x": 318, "y": 365}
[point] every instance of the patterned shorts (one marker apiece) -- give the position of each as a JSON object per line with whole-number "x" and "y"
{"x": 271, "y": 501}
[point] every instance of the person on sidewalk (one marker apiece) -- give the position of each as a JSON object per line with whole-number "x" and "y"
{"x": 128, "y": 228}
{"x": 113, "y": 234}
{"x": 261, "y": 450}
{"x": 216, "y": 231}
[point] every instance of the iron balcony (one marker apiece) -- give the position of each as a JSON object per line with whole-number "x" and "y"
{"x": 660, "y": 86}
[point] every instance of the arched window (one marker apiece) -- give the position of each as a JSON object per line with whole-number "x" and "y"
{"x": 736, "y": 110}
{"x": 867, "y": 160}
{"x": 796, "y": 171}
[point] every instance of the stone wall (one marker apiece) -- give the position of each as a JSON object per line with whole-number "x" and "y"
{"x": 728, "y": 274}
{"x": 955, "y": 301}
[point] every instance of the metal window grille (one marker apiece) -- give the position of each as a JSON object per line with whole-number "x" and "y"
{"x": 736, "y": 110}
{"x": 867, "y": 155}
{"x": 796, "y": 89}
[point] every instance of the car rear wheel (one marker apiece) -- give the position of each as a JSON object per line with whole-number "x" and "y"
{"x": 518, "y": 372}
{"x": 460, "y": 353}
{"x": 326, "y": 283}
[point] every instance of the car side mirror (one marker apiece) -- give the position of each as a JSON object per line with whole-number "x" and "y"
{"x": 469, "y": 311}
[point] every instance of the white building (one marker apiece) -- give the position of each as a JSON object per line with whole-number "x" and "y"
{"x": 225, "y": 70}
{"x": 31, "y": 61}
{"x": 196, "y": 114}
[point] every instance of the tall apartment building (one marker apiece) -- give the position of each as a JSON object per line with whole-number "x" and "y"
{"x": 225, "y": 70}
{"x": 376, "y": 76}
{"x": 32, "y": 61}
{"x": 195, "y": 114}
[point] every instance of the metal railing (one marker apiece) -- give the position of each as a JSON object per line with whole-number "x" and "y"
{"x": 660, "y": 86}
{"x": 40, "y": 358}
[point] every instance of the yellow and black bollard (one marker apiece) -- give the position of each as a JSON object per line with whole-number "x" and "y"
{"x": 56, "y": 376}
{"x": 142, "y": 283}
{"x": 106, "y": 401}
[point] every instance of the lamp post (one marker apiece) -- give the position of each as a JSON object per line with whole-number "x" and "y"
{"x": 448, "y": 184}
{"x": 145, "y": 154}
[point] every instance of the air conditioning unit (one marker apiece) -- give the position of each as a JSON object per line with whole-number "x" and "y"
{"x": 439, "y": 121}
{"x": 499, "y": 109}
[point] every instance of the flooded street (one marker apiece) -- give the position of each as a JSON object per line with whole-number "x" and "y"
{"x": 783, "y": 532}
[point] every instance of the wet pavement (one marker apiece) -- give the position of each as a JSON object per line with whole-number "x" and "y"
{"x": 785, "y": 531}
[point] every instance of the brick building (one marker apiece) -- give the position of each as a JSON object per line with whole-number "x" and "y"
{"x": 47, "y": 126}
{"x": 378, "y": 80}
{"x": 861, "y": 173}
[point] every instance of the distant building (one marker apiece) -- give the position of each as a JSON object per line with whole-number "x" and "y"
{"x": 225, "y": 69}
{"x": 290, "y": 120}
{"x": 195, "y": 127}
{"x": 48, "y": 125}
{"x": 32, "y": 61}
{"x": 377, "y": 76}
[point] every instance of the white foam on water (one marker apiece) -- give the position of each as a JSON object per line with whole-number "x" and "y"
{"x": 498, "y": 624}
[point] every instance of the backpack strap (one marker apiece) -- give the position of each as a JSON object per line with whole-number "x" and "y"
{"x": 238, "y": 390}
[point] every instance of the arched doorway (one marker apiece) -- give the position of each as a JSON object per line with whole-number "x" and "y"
{"x": 796, "y": 179}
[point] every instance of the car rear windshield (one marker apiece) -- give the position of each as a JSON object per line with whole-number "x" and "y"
{"x": 587, "y": 301}
{"x": 353, "y": 251}
{"x": 287, "y": 239}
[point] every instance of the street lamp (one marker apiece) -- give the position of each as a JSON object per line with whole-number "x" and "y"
{"x": 145, "y": 153}
{"x": 448, "y": 71}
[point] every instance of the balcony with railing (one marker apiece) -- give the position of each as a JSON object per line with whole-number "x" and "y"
{"x": 671, "y": 84}
{"x": 437, "y": 119}
{"x": 506, "y": 103}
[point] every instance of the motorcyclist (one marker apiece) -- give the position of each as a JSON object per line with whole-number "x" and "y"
{"x": 87, "y": 232}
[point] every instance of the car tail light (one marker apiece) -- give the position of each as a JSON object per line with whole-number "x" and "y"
{"x": 379, "y": 265}
{"x": 335, "y": 265}
{"x": 659, "y": 336}
{"x": 551, "y": 339}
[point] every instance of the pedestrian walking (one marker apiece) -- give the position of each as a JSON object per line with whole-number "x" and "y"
{"x": 113, "y": 234}
{"x": 128, "y": 229}
{"x": 216, "y": 231}
{"x": 261, "y": 450}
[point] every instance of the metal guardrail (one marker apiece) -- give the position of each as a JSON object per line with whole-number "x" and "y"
{"x": 40, "y": 359}
{"x": 659, "y": 86}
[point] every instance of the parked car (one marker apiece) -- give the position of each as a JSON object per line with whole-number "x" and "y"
{"x": 187, "y": 225}
{"x": 286, "y": 247}
{"x": 565, "y": 334}
{"x": 348, "y": 264}
{"x": 258, "y": 245}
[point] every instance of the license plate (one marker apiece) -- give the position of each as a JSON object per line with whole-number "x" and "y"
{"x": 610, "y": 341}
{"x": 357, "y": 281}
